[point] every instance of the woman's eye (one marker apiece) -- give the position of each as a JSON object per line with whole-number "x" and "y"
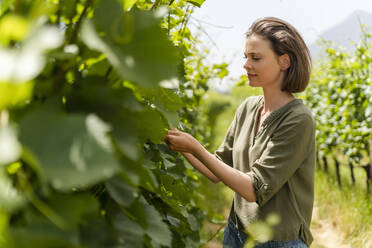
{"x": 254, "y": 58}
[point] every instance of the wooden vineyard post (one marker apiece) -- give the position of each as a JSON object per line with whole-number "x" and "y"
{"x": 369, "y": 176}
{"x": 337, "y": 164}
{"x": 325, "y": 164}
{"x": 351, "y": 166}
{"x": 367, "y": 168}
{"x": 318, "y": 166}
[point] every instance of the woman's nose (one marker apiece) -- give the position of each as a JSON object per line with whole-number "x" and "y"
{"x": 247, "y": 65}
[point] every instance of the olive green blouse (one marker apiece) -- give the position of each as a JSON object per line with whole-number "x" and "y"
{"x": 280, "y": 159}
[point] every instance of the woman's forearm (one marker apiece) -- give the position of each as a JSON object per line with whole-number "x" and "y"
{"x": 211, "y": 166}
{"x": 200, "y": 167}
{"x": 236, "y": 180}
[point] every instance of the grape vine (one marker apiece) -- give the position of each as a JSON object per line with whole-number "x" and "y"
{"x": 88, "y": 89}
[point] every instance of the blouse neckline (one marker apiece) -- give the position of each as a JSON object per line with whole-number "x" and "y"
{"x": 275, "y": 114}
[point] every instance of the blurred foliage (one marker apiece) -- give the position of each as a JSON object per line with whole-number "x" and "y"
{"x": 220, "y": 109}
{"x": 88, "y": 89}
{"x": 339, "y": 95}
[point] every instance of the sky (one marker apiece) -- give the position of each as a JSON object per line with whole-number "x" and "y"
{"x": 225, "y": 22}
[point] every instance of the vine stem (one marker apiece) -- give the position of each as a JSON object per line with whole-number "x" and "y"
{"x": 78, "y": 23}
{"x": 108, "y": 72}
{"x": 41, "y": 206}
{"x": 185, "y": 20}
{"x": 155, "y": 4}
{"x": 213, "y": 236}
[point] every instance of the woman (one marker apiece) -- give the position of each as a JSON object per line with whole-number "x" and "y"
{"x": 268, "y": 154}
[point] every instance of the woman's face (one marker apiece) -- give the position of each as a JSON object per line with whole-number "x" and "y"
{"x": 262, "y": 64}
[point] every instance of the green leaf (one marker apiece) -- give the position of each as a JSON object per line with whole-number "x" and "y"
{"x": 197, "y": 3}
{"x": 157, "y": 229}
{"x": 4, "y": 5}
{"x": 116, "y": 106}
{"x": 129, "y": 231}
{"x": 39, "y": 231}
{"x": 42, "y": 234}
{"x": 10, "y": 149}
{"x": 68, "y": 8}
{"x": 97, "y": 232}
{"x": 133, "y": 42}
{"x": 178, "y": 171}
{"x": 73, "y": 150}
{"x": 122, "y": 192}
{"x": 151, "y": 125}
{"x": 10, "y": 198}
{"x": 15, "y": 94}
{"x": 193, "y": 222}
{"x": 172, "y": 117}
{"x": 176, "y": 187}
{"x": 128, "y": 4}
{"x": 166, "y": 101}
{"x": 73, "y": 208}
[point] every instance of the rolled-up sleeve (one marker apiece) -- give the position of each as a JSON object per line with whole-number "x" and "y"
{"x": 286, "y": 151}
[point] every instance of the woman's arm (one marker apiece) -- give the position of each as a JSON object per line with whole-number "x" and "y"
{"x": 238, "y": 181}
{"x": 200, "y": 167}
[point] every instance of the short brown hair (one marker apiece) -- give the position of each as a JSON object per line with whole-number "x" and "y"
{"x": 285, "y": 39}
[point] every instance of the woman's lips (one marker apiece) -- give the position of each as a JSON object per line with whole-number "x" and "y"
{"x": 250, "y": 76}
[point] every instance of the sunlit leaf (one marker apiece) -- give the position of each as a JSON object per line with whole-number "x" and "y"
{"x": 197, "y": 3}
{"x": 4, "y": 5}
{"x": 10, "y": 149}
{"x": 116, "y": 106}
{"x": 81, "y": 157}
{"x": 10, "y": 198}
{"x": 13, "y": 28}
{"x": 133, "y": 42}
{"x": 151, "y": 125}
{"x": 128, "y": 4}
{"x": 24, "y": 64}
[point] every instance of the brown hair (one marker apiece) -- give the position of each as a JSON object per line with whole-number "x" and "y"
{"x": 285, "y": 39}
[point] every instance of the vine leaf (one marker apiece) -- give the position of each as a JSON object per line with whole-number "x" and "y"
{"x": 133, "y": 42}
{"x": 73, "y": 150}
{"x": 197, "y": 3}
{"x": 122, "y": 192}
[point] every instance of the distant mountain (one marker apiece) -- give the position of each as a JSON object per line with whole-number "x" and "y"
{"x": 344, "y": 32}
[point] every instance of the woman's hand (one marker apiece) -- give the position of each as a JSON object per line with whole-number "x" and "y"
{"x": 180, "y": 141}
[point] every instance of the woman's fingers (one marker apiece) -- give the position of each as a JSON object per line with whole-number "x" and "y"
{"x": 169, "y": 135}
{"x": 176, "y": 140}
{"x": 174, "y": 132}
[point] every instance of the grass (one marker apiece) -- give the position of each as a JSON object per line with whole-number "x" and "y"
{"x": 349, "y": 209}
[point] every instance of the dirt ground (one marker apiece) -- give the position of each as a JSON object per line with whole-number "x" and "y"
{"x": 325, "y": 233}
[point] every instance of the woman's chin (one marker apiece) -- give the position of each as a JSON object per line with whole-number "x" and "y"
{"x": 253, "y": 84}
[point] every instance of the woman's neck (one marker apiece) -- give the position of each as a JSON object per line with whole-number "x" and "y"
{"x": 275, "y": 98}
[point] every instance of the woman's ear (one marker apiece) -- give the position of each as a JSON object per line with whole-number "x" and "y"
{"x": 284, "y": 61}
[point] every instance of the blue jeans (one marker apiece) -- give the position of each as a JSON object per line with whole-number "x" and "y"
{"x": 234, "y": 238}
